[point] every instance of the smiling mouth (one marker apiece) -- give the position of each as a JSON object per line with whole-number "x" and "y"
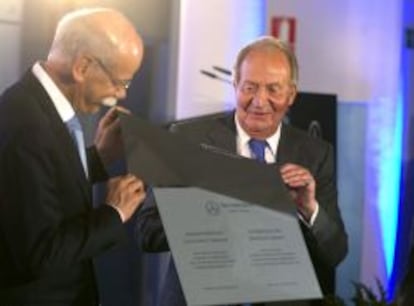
{"x": 258, "y": 114}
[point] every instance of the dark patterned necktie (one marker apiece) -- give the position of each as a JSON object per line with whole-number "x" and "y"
{"x": 257, "y": 148}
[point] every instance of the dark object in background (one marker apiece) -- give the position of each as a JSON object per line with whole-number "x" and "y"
{"x": 317, "y": 114}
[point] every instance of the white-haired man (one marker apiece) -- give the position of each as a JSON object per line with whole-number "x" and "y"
{"x": 49, "y": 231}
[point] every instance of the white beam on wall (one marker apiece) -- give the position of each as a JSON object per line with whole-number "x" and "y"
{"x": 210, "y": 33}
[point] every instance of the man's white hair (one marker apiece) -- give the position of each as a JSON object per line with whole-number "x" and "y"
{"x": 77, "y": 33}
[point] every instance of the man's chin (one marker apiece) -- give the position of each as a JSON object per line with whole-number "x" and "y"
{"x": 257, "y": 125}
{"x": 260, "y": 130}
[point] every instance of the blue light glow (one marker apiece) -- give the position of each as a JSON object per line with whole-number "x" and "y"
{"x": 385, "y": 139}
{"x": 389, "y": 193}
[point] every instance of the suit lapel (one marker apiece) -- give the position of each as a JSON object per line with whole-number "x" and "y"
{"x": 63, "y": 137}
{"x": 287, "y": 150}
{"x": 223, "y": 134}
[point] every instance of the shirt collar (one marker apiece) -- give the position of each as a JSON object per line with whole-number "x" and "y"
{"x": 61, "y": 103}
{"x": 243, "y": 138}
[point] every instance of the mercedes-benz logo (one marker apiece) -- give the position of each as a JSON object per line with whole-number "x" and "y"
{"x": 315, "y": 129}
{"x": 212, "y": 208}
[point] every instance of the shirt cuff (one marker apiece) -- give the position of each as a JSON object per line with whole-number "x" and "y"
{"x": 312, "y": 219}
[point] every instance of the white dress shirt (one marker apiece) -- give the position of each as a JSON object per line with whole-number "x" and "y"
{"x": 62, "y": 105}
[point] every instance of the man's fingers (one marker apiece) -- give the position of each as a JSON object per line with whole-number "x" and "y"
{"x": 112, "y": 115}
{"x": 287, "y": 168}
{"x": 129, "y": 179}
{"x": 122, "y": 109}
{"x": 135, "y": 185}
{"x": 296, "y": 176}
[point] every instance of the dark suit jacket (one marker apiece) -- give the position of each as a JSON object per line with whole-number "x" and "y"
{"x": 49, "y": 232}
{"x": 326, "y": 239}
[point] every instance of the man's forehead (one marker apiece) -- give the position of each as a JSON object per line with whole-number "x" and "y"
{"x": 270, "y": 65}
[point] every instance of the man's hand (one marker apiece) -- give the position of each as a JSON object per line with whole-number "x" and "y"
{"x": 108, "y": 140}
{"x": 302, "y": 187}
{"x": 125, "y": 194}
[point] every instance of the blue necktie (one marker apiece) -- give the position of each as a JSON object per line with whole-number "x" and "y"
{"x": 75, "y": 130}
{"x": 257, "y": 148}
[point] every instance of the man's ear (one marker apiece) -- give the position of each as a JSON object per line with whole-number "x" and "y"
{"x": 292, "y": 94}
{"x": 80, "y": 68}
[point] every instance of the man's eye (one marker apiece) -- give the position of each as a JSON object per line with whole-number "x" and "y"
{"x": 249, "y": 88}
{"x": 273, "y": 89}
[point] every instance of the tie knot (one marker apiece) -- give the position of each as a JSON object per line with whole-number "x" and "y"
{"x": 74, "y": 124}
{"x": 258, "y": 146}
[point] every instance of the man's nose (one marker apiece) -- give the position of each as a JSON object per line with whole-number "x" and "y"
{"x": 120, "y": 93}
{"x": 260, "y": 96}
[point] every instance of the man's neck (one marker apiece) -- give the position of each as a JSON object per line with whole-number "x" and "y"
{"x": 60, "y": 78}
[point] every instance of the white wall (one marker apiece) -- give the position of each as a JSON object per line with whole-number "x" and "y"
{"x": 10, "y": 33}
{"x": 210, "y": 33}
{"x": 345, "y": 47}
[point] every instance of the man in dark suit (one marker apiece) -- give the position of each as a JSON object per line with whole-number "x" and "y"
{"x": 265, "y": 83}
{"x": 49, "y": 231}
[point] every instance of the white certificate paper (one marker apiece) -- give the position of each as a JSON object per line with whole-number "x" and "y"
{"x": 229, "y": 251}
